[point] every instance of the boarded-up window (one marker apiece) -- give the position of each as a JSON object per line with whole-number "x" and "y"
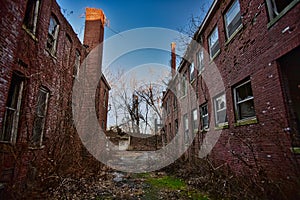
{"x": 40, "y": 115}
{"x": 31, "y": 15}
{"x": 12, "y": 112}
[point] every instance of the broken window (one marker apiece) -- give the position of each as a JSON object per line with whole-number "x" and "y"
{"x": 12, "y": 112}
{"x": 40, "y": 116}
{"x": 52, "y": 35}
{"x": 204, "y": 117}
{"x": 195, "y": 120}
{"x": 77, "y": 64}
{"x": 244, "y": 101}
{"x": 200, "y": 61}
{"x": 192, "y": 72}
{"x": 183, "y": 83}
{"x": 213, "y": 42}
{"x": 275, "y": 7}
{"x": 31, "y": 15}
{"x": 233, "y": 18}
{"x": 220, "y": 110}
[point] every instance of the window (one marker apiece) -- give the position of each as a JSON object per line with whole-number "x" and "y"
{"x": 12, "y": 112}
{"x": 204, "y": 117}
{"x": 220, "y": 110}
{"x": 40, "y": 116}
{"x": 174, "y": 102}
{"x": 233, "y": 18}
{"x": 176, "y": 126}
{"x": 77, "y": 64}
{"x": 105, "y": 98}
{"x": 52, "y": 35}
{"x": 243, "y": 101}
{"x": 183, "y": 86}
{"x": 275, "y": 7}
{"x": 186, "y": 128}
{"x": 200, "y": 61}
{"x": 192, "y": 72}
{"x": 195, "y": 120}
{"x": 31, "y": 15}
{"x": 213, "y": 42}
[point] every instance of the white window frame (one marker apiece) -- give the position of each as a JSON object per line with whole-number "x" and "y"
{"x": 235, "y": 5}
{"x": 192, "y": 71}
{"x": 216, "y": 111}
{"x": 195, "y": 123}
{"x": 273, "y": 10}
{"x": 200, "y": 56}
{"x": 186, "y": 128}
{"x": 215, "y": 43}
{"x": 237, "y": 102}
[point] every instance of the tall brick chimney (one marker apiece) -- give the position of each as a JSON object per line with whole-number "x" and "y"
{"x": 94, "y": 27}
{"x": 173, "y": 59}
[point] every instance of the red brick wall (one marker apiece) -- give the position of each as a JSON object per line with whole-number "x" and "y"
{"x": 22, "y": 52}
{"x": 253, "y": 52}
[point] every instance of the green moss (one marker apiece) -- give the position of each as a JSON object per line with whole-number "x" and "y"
{"x": 295, "y": 150}
{"x": 246, "y": 122}
{"x": 142, "y": 175}
{"x": 167, "y": 182}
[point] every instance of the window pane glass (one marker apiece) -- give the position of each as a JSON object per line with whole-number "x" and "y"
{"x": 220, "y": 103}
{"x": 244, "y": 92}
{"x": 232, "y": 12}
{"x": 246, "y": 109}
{"x": 52, "y": 26}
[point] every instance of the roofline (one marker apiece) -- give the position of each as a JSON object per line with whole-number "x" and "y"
{"x": 200, "y": 29}
{"x": 106, "y": 82}
{"x": 208, "y": 14}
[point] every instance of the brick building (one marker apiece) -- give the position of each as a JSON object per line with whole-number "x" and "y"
{"x": 40, "y": 60}
{"x": 255, "y": 47}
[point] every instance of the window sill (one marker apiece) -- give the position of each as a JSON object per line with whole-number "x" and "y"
{"x": 51, "y": 54}
{"x": 216, "y": 55}
{"x": 295, "y": 150}
{"x": 221, "y": 126}
{"x": 29, "y": 33}
{"x": 234, "y": 34}
{"x": 36, "y": 147}
{"x": 182, "y": 97}
{"x": 282, "y": 13}
{"x": 204, "y": 130}
{"x": 200, "y": 71}
{"x": 247, "y": 121}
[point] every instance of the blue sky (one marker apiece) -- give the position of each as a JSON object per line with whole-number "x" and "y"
{"x": 149, "y": 61}
{"x": 128, "y": 14}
